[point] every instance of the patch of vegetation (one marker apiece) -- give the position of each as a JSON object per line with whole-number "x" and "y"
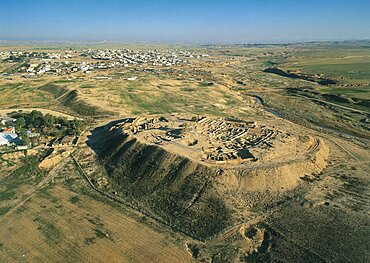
{"x": 14, "y": 69}
{"x": 54, "y": 90}
{"x": 269, "y": 63}
{"x": 95, "y": 221}
{"x": 38, "y": 80}
{"x": 20, "y": 209}
{"x": 8, "y": 162}
{"x": 352, "y": 70}
{"x": 87, "y": 86}
{"x": 90, "y": 240}
{"x": 78, "y": 106}
{"x": 223, "y": 257}
{"x": 45, "y": 153}
{"x": 195, "y": 251}
{"x": 65, "y": 80}
{"x": 28, "y": 173}
{"x": 100, "y": 234}
{"x": 7, "y": 195}
{"x": 74, "y": 199}
{"x": 151, "y": 104}
{"x": 98, "y": 197}
{"x": 22, "y": 94}
{"x": 45, "y": 124}
{"x": 4, "y": 210}
{"x": 48, "y": 229}
{"x": 44, "y": 192}
{"x": 331, "y": 96}
{"x": 142, "y": 219}
{"x": 205, "y": 84}
{"x": 11, "y": 86}
{"x": 187, "y": 89}
{"x": 230, "y": 101}
{"x": 321, "y": 81}
{"x": 69, "y": 182}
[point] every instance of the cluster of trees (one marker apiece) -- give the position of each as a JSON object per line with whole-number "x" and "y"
{"x": 46, "y": 124}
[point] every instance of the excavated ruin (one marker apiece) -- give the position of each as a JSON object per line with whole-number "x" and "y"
{"x": 198, "y": 197}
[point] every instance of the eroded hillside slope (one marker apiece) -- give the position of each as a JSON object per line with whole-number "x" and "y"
{"x": 200, "y": 199}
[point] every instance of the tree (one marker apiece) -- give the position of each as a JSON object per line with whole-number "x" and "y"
{"x": 9, "y": 123}
{"x": 62, "y": 121}
{"x": 76, "y": 126}
{"x": 38, "y": 122}
{"x": 25, "y": 139}
{"x": 59, "y": 133}
{"x": 21, "y": 123}
{"x": 49, "y": 120}
{"x": 35, "y": 114}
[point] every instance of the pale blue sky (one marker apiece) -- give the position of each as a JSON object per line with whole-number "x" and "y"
{"x": 200, "y": 21}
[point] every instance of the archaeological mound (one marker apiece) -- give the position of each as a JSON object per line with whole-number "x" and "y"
{"x": 203, "y": 174}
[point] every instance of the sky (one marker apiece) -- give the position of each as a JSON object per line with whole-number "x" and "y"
{"x": 185, "y": 21}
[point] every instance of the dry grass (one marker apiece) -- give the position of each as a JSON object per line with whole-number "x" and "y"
{"x": 56, "y": 226}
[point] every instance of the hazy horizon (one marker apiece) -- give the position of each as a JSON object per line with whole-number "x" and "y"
{"x": 165, "y": 21}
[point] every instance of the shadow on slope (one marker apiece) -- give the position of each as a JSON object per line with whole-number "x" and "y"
{"x": 174, "y": 188}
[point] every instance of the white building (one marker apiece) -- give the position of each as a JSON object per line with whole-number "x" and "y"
{"x": 22, "y": 147}
{"x": 7, "y": 138}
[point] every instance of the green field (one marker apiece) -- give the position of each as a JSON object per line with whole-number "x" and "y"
{"x": 350, "y": 66}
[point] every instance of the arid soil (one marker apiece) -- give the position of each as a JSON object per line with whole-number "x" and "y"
{"x": 302, "y": 195}
{"x": 68, "y": 216}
